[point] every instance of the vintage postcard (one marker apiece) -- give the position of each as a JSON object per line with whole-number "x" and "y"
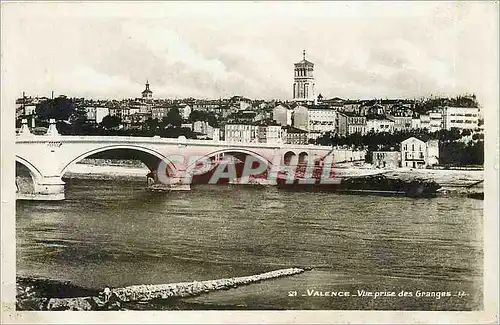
{"x": 249, "y": 162}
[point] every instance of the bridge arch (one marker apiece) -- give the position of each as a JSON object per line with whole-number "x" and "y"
{"x": 240, "y": 154}
{"x": 25, "y": 184}
{"x": 246, "y": 152}
{"x": 303, "y": 156}
{"x": 288, "y": 156}
{"x": 149, "y": 157}
{"x": 34, "y": 172}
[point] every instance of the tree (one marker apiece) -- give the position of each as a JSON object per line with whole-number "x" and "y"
{"x": 77, "y": 123}
{"x": 212, "y": 120}
{"x": 60, "y": 108}
{"x": 208, "y": 117}
{"x": 110, "y": 122}
{"x": 151, "y": 124}
{"x": 196, "y": 116}
{"x": 466, "y": 133}
{"x": 173, "y": 118}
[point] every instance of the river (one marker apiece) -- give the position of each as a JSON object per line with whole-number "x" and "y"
{"x": 115, "y": 233}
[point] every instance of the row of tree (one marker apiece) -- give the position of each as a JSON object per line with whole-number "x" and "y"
{"x": 427, "y": 105}
{"x": 452, "y": 151}
{"x": 389, "y": 140}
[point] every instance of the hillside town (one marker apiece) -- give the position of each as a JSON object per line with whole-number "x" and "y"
{"x": 410, "y": 132}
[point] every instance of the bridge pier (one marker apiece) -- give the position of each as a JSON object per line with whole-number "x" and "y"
{"x": 172, "y": 183}
{"x": 50, "y": 188}
{"x": 45, "y": 189}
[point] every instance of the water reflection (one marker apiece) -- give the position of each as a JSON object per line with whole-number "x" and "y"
{"x": 116, "y": 233}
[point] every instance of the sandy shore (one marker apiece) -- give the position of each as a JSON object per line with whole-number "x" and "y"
{"x": 95, "y": 171}
{"x": 448, "y": 179}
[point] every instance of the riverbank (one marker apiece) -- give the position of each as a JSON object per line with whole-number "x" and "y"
{"x": 452, "y": 181}
{"x": 45, "y": 294}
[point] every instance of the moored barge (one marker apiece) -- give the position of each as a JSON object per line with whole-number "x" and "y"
{"x": 367, "y": 184}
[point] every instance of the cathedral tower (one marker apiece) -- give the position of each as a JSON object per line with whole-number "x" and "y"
{"x": 303, "y": 81}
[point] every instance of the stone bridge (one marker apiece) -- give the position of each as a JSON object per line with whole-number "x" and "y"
{"x": 48, "y": 157}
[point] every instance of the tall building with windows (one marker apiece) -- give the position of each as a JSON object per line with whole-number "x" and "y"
{"x": 460, "y": 117}
{"x": 303, "y": 81}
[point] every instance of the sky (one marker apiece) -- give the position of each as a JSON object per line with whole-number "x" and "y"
{"x": 218, "y": 50}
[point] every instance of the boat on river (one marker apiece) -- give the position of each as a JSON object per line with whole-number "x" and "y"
{"x": 374, "y": 184}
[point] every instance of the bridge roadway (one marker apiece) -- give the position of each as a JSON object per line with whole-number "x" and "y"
{"x": 48, "y": 157}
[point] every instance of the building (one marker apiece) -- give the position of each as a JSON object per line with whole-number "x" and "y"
{"x": 401, "y": 123}
{"x": 283, "y": 115}
{"x": 416, "y": 153}
{"x": 206, "y": 105}
{"x": 118, "y": 111}
{"x": 96, "y": 114}
{"x": 203, "y": 128}
{"x": 216, "y": 134}
{"x": 371, "y": 107}
{"x": 240, "y": 103}
{"x": 321, "y": 119}
{"x": 335, "y": 102}
{"x": 293, "y": 135}
{"x": 415, "y": 123}
{"x": 303, "y": 81}
{"x": 241, "y": 133}
{"x": 432, "y": 121}
{"x": 26, "y": 110}
{"x": 349, "y": 123}
{"x": 147, "y": 94}
{"x": 300, "y": 117}
{"x": 26, "y": 106}
{"x": 270, "y": 133}
{"x": 380, "y": 124}
{"x": 351, "y": 106}
{"x": 250, "y": 133}
{"x": 460, "y": 117}
{"x": 386, "y": 159}
{"x": 425, "y": 121}
{"x": 435, "y": 120}
{"x": 432, "y": 152}
{"x": 159, "y": 112}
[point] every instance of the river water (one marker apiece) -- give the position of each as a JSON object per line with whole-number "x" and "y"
{"x": 115, "y": 233}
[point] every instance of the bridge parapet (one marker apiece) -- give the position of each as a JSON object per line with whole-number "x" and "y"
{"x": 157, "y": 140}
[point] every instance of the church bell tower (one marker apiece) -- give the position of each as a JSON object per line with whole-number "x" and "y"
{"x": 303, "y": 81}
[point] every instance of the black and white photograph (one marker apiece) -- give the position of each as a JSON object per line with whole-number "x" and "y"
{"x": 250, "y": 158}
